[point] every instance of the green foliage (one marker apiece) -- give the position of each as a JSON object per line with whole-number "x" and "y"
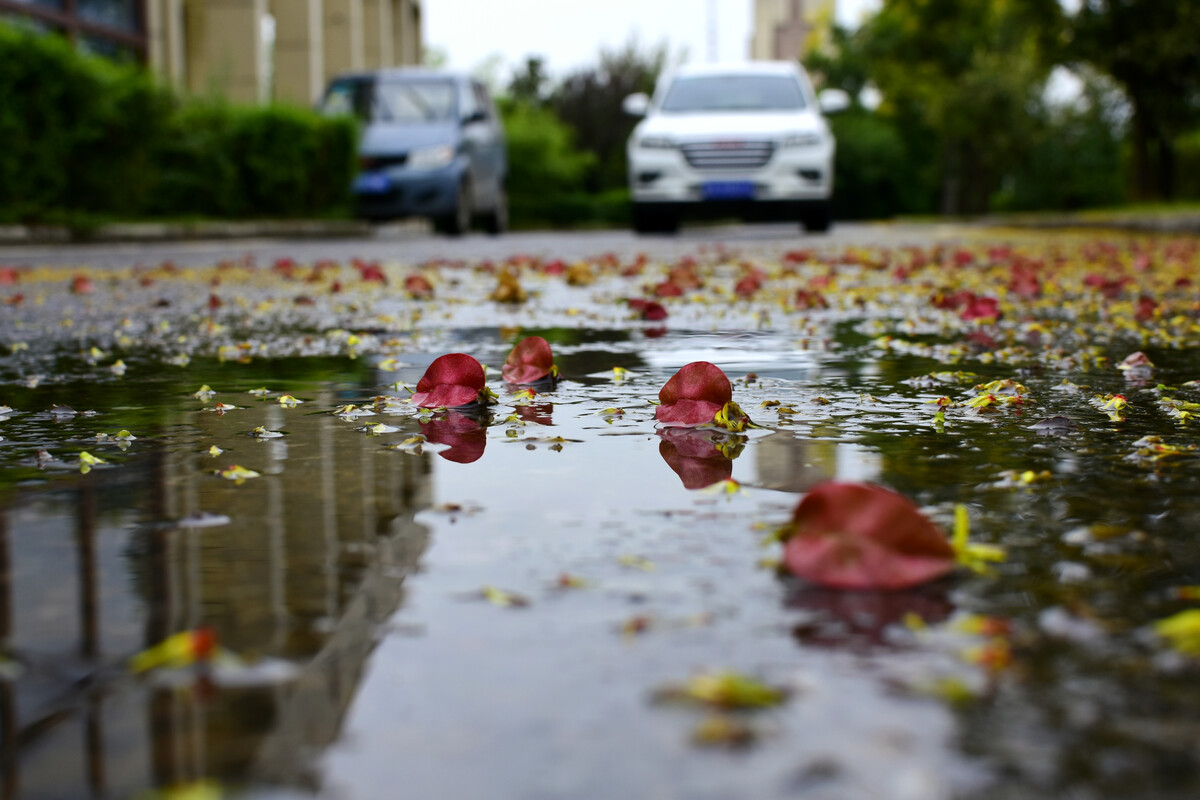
{"x": 968, "y": 73}
{"x": 86, "y": 138}
{"x": 547, "y": 172}
{"x": 1076, "y": 163}
{"x": 841, "y": 64}
{"x": 1187, "y": 153}
{"x": 73, "y": 127}
{"x": 229, "y": 161}
{"x": 589, "y": 102}
{"x": 1149, "y": 48}
{"x": 873, "y": 176}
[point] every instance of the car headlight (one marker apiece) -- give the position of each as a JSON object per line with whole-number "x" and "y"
{"x": 431, "y": 157}
{"x": 656, "y": 143}
{"x": 807, "y": 139}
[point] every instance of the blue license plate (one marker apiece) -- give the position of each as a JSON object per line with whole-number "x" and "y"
{"x": 728, "y": 190}
{"x": 372, "y": 183}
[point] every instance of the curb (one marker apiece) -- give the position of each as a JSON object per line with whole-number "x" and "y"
{"x": 1134, "y": 223}
{"x": 180, "y": 231}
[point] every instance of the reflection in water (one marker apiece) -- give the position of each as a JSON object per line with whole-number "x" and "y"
{"x": 464, "y": 435}
{"x": 700, "y": 457}
{"x": 790, "y": 464}
{"x": 842, "y": 619}
{"x": 538, "y": 412}
{"x": 310, "y": 566}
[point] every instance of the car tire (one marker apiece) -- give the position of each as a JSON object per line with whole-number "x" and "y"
{"x": 496, "y": 221}
{"x": 458, "y": 221}
{"x": 818, "y": 218}
{"x": 648, "y": 220}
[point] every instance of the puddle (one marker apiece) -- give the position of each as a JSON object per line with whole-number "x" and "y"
{"x": 491, "y": 609}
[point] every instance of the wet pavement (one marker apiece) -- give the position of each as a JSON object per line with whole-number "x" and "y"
{"x": 460, "y": 605}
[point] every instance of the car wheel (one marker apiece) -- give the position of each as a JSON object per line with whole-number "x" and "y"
{"x": 648, "y": 219}
{"x": 818, "y": 218}
{"x": 496, "y": 221}
{"x": 458, "y": 221}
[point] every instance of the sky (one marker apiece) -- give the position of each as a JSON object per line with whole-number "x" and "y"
{"x": 569, "y": 34}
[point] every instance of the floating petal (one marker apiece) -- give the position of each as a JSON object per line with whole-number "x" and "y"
{"x": 862, "y": 536}
{"x": 694, "y": 395}
{"x": 455, "y": 379}
{"x": 529, "y": 362}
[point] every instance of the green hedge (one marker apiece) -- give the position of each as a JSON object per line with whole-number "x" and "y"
{"x": 228, "y": 161}
{"x": 547, "y": 173}
{"x": 84, "y": 136}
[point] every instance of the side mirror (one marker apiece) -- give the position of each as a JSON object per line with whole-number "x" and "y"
{"x": 636, "y": 105}
{"x": 831, "y": 101}
{"x": 473, "y": 117}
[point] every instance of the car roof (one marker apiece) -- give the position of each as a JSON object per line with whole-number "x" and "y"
{"x": 406, "y": 73}
{"x": 738, "y": 68}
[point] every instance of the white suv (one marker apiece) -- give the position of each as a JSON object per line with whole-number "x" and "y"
{"x": 740, "y": 140}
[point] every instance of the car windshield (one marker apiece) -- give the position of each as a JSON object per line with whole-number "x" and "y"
{"x": 734, "y": 93}
{"x": 401, "y": 101}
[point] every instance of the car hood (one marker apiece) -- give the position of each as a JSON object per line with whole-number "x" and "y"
{"x": 382, "y": 138}
{"x": 694, "y": 127}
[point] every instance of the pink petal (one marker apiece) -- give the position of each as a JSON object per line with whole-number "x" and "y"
{"x": 451, "y": 380}
{"x": 687, "y": 413}
{"x": 530, "y": 361}
{"x": 693, "y": 395}
{"x": 861, "y": 536}
{"x": 694, "y": 458}
{"x": 981, "y": 308}
{"x": 445, "y": 395}
{"x": 465, "y": 437}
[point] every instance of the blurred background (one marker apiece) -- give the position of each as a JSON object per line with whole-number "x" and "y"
{"x": 170, "y": 109}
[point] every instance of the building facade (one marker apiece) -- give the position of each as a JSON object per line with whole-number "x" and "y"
{"x": 787, "y": 29}
{"x": 247, "y": 51}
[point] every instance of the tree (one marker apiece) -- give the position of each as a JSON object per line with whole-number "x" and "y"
{"x": 969, "y": 74}
{"x": 589, "y": 101}
{"x": 840, "y": 63}
{"x": 881, "y": 165}
{"x": 1150, "y": 48}
{"x": 529, "y": 86}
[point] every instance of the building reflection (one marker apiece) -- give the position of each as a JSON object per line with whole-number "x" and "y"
{"x": 786, "y": 462}
{"x": 307, "y": 572}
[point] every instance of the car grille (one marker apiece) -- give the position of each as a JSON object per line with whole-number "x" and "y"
{"x": 728, "y": 154}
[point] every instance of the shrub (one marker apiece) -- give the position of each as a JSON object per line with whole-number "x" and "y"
{"x": 1077, "y": 163}
{"x": 874, "y": 173}
{"x": 84, "y": 136}
{"x": 229, "y": 161}
{"x": 546, "y": 172}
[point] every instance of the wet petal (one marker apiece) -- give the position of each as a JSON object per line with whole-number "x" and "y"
{"x": 694, "y": 395}
{"x": 530, "y": 361}
{"x": 455, "y": 379}
{"x": 862, "y": 536}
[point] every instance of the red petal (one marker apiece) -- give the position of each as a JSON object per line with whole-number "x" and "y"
{"x": 694, "y": 458}
{"x": 981, "y": 308}
{"x": 529, "y": 362}
{"x": 861, "y": 536}
{"x": 465, "y": 437}
{"x": 445, "y": 395}
{"x": 688, "y": 413}
{"x": 694, "y": 395}
{"x": 451, "y": 380}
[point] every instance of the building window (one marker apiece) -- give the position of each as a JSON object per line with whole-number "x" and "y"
{"x": 113, "y": 28}
{"x": 121, "y": 14}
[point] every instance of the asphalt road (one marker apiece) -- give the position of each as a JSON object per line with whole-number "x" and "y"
{"x": 407, "y": 244}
